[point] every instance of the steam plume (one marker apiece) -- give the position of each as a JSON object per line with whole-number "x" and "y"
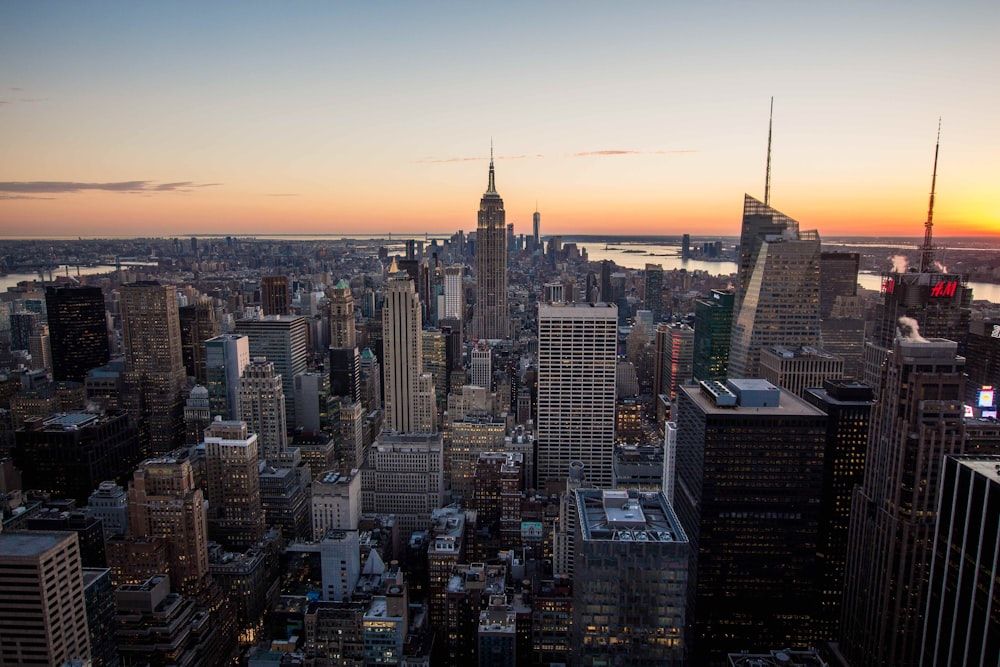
{"x": 909, "y": 329}
{"x": 899, "y": 263}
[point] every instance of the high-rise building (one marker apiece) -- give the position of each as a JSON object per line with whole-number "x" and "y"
{"x": 108, "y": 503}
{"x": 713, "y": 327}
{"x": 371, "y": 380}
{"x": 197, "y": 415}
{"x": 282, "y": 340}
{"x": 931, "y": 304}
{"x": 403, "y": 354}
{"x": 435, "y": 352}
{"x": 536, "y": 224}
{"x": 917, "y": 420}
{"x": 164, "y": 503}
{"x": 199, "y": 322}
{"x": 630, "y": 580}
{"x": 43, "y": 617}
{"x": 653, "y": 294}
{"x": 342, "y": 330}
{"x": 336, "y": 502}
{"x": 961, "y": 626}
{"x": 795, "y": 369}
{"x": 759, "y": 222}
{"x": 481, "y": 365}
{"x": 345, "y": 373}
{"x": 274, "y": 295}
{"x": 454, "y": 294}
{"x": 284, "y": 496}
{"x": 678, "y": 358}
{"x": 983, "y": 361}
{"x": 404, "y": 475}
{"x": 466, "y": 439}
{"x": 78, "y": 331}
{"x": 262, "y": 407}
{"x": 838, "y": 277}
{"x": 929, "y": 301}
{"x": 748, "y": 484}
{"x": 225, "y": 358}
{"x": 99, "y": 598}
{"x": 69, "y": 454}
{"x": 154, "y": 367}
{"x": 780, "y": 301}
{"x": 490, "y": 318}
{"x": 233, "y": 491}
{"x": 577, "y": 346}
{"x": 848, "y": 407}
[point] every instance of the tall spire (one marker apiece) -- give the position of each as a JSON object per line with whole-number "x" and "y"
{"x": 927, "y": 252}
{"x": 491, "y": 187}
{"x": 767, "y": 181}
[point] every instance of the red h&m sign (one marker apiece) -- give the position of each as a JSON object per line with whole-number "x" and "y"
{"x": 945, "y": 289}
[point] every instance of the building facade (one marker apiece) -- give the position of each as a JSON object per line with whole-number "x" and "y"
{"x": 576, "y": 391}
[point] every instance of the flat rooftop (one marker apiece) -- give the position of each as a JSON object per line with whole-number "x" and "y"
{"x": 31, "y": 543}
{"x": 789, "y": 405}
{"x": 627, "y": 516}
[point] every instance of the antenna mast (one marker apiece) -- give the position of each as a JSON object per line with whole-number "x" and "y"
{"x": 927, "y": 252}
{"x": 767, "y": 182}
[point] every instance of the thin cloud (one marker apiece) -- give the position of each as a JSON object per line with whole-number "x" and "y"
{"x": 630, "y": 152}
{"x": 7, "y": 197}
{"x": 282, "y": 194}
{"x": 63, "y": 187}
{"x": 477, "y": 158}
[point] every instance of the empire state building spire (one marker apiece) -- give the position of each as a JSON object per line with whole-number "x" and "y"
{"x": 491, "y": 187}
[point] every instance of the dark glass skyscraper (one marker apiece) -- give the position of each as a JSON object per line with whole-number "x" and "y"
{"x": 713, "y": 324}
{"x": 962, "y": 625}
{"x": 78, "y": 331}
{"x": 848, "y": 407}
{"x": 749, "y": 475}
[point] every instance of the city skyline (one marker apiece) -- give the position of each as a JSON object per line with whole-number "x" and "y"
{"x": 337, "y": 119}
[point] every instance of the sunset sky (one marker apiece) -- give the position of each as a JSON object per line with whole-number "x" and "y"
{"x": 353, "y": 117}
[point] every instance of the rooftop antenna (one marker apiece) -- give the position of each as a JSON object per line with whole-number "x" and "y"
{"x": 767, "y": 182}
{"x": 927, "y": 252}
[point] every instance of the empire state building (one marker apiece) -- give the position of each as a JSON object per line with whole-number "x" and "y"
{"x": 491, "y": 318}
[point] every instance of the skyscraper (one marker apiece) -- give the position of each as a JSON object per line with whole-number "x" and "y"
{"x": 917, "y": 419}
{"x": 154, "y": 367}
{"x": 962, "y": 626}
{"x": 274, "y": 295}
{"x": 403, "y": 353}
{"x": 282, "y": 340}
{"x": 42, "y": 610}
{"x": 78, "y": 331}
{"x": 577, "y": 346}
{"x": 536, "y": 224}
{"x": 233, "y": 489}
{"x": 630, "y": 579}
{"x": 199, "y": 323}
{"x": 491, "y": 319}
{"x": 780, "y": 300}
{"x": 342, "y": 330}
{"x": 225, "y": 358}
{"x": 164, "y": 502}
{"x": 848, "y": 407}
{"x": 713, "y": 327}
{"x": 749, "y": 478}
{"x": 838, "y": 277}
{"x": 935, "y": 301}
{"x": 759, "y": 221}
{"x": 454, "y": 294}
{"x": 404, "y": 475}
{"x": 262, "y": 407}
{"x": 653, "y": 300}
